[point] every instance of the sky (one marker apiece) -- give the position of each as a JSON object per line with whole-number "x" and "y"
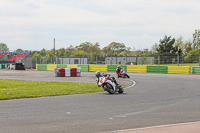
{"x": 139, "y": 24}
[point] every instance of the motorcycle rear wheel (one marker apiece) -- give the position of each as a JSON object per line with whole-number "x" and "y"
{"x": 121, "y": 90}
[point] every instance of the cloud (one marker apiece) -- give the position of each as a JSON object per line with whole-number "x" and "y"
{"x": 32, "y": 24}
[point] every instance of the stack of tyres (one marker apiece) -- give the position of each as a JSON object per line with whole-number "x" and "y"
{"x": 2, "y": 66}
{"x": 73, "y": 72}
{"x": 18, "y": 66}
{"x": 67, "y": 72}
{"x": 61, "y": 72}
{"x": 78, "y": 71}
{"x": 56, "y": 72}
{"x": 6, "y": 66}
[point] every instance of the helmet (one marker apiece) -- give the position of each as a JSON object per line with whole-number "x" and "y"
{"x": 118, "y": 66}
{"x": 97, "y": 74}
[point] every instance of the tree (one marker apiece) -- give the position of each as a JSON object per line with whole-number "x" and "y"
{"x": 167, "y": 47}
{"x": 50, "y": 54}
{"x": 43, "y": 52}
{"x": 179, "y": 43}
{"x": 154, "y": 48}
{"x": 94, "y": 49}
{"x": 60, "y": 52}
{"x": 84, "y": 46}
{"x": 79, "y": 53}
{"x": 196, "y": 40}
{"x": 106, "y": 50}
{"x": 69, "y": 50}
{"x": 35, "y": 54}
{"x": 3, "y": 47}
{"x": 20, "y": 50}
{"x": 192, "y": 56}
{"x": 146, "y": 52}
{"x": 188, "y": 47}
{"x": 115, "y": 48}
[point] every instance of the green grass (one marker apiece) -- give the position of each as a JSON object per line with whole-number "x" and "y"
{"x": 14, "y": 89}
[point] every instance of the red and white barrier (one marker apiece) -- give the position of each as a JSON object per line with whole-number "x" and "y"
{"x": 67, "y": 72}
{"x": 61, "y": 72}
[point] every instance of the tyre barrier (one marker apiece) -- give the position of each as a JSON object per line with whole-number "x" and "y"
{"x": 195, "y": 70}
{"x": 128, "y": 68}
{"x": 2, "y": 66}
{"x": 67, "y": 72}
{"x": 14, "y": 66}
{"x": 179, "y": 69}
{"x": 137, "y": 69}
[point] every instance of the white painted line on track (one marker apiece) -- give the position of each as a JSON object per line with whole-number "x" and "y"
{"x": 134, "y": 83}
{"x": 145, "y": 128}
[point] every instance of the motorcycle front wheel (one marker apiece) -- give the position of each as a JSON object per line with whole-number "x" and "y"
{"x": 109, "y": 88}
{"x": 127, "y": 76}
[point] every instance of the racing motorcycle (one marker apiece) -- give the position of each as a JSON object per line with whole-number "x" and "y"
{"x": 109, "y": 84}
{"x": 123, "y": 74}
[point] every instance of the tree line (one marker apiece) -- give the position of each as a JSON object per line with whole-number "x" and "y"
{"x": 166, "y": 46}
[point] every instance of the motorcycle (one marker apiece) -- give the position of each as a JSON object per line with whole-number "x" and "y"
{"x": 109, "y": 84}
{"x": 123, "y": 74}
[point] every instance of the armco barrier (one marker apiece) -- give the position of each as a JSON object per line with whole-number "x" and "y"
{"x": 41, "y": 67}
{"x": 195, "y": 70}
{"x": 84, "y": 68}
{"x": 157, "y": 69}
{"x": 137, "y": 69}
{"x": 50, "y": 67}
{"x": 102, "y": 68}
{"x": 179, "y": 69}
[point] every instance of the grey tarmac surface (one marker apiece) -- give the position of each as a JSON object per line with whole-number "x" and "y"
{"x": 156, "y": 99}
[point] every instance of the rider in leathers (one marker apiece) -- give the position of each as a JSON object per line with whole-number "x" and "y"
{"x": 118, "y": 71}
{"x": 99, "y": 74}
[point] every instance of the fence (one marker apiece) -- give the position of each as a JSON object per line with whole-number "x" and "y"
{"x": 30, "y": 62}
{"x": 179, "y": 60}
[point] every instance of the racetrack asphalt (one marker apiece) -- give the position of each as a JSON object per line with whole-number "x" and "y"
{"x": 156, "y": 99}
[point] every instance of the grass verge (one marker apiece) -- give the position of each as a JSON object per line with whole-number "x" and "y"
{"x": 14, "y": 89}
